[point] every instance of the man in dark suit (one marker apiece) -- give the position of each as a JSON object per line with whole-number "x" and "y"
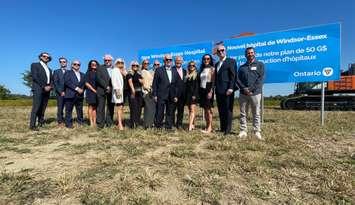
{"x": 104, "y": 93}
{"x": 224, "y": 88}
{"x": 41, "y": 87}
{"x": 58, "y": 82}
{"x": 180, "y": 84}
{"x": 165, "y": 93}
{"x": 74, "y": 83}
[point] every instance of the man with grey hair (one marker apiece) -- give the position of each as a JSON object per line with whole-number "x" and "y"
{"x": 250, "y": 80}
{"x": 165, "y": 93}
{"x": 180, "y": 93}
{"x": 104, "y": 93}
{"x": 224, "y": 88}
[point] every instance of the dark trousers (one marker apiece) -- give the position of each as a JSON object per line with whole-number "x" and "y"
{"x": 135, "y": 108}
{"x": 39, "y": 105}
{"x": 70, "y": 103}
{"x": 168, "y": 106}
{"x": 225, "y": 111}
{"x": 179, "y": 111}
{"x": 60, "y": 108}
{"x": 102, "y": 116}
{"x": 149, "y": 110}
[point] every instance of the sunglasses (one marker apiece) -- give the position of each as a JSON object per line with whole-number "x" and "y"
{"x": 135, "y": 65}
{"x": 45, "y": 56}
{"x": 119, "y": 62}
{"x": 191, "y": 65}
{"x": 76, "y": 64}
{"x": 168, "y": 59}
{"x": 107, "y": 60}
{"x": 156, "y": 64}
{"x": 206, "y": 59}
{"x": 62, "y": 61}
{"x": 221, "y": 50}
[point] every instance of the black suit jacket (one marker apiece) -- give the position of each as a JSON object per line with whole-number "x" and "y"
{"x": 180, "y": 83}
{"x": 71, "y": 82}
{"x": 225, "y": 77}
{"x": 39, "y": 77}
{"x": 58, "y": 81}
{"x": 103, "y": 80}
{"x": 162, "y": 88}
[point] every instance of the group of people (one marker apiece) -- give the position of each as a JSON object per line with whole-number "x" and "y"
{"x": 161, "y": 92}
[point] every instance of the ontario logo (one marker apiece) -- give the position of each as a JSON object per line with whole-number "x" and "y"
{"x": 327, "y": 71}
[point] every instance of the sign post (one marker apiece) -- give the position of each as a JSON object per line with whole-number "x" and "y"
{"x": 322, "y": 105}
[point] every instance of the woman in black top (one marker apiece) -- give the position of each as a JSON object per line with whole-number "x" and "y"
{"x": 135, "y": 81}
{"x": 90, "y": 79}
{"x": 191, "y": 92}
{"x": 206, "y": 85}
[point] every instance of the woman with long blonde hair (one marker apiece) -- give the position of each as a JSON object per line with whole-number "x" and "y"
{"x": 191, "y": 94}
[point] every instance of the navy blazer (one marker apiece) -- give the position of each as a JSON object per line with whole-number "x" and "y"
{"x": 225, "y": 77}
{"x": 39, "y": 77}
{"x": 71, "y": 82}
{"x": 58, "y": 81}
{"x": 162, "y": 88}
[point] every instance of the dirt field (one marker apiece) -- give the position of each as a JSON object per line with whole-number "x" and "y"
{"x": 299, "y": 163}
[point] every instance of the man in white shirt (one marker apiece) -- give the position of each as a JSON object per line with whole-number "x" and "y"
{"x": 224, "y": 88}
{"x": 180, "y": 84}
{"x": 165, "y": 93}
{"x": 41, "y": 87}
{"x": 74, "y": 83}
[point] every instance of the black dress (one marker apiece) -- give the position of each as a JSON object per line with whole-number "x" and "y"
{"x": 191, "y": 89}
{"x": 136, "y": 102}
{"x": 90, "y": 77}
{"x": 203, "y": 92}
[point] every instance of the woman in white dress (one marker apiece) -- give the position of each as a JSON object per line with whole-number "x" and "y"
{"x": 117, "y": 90}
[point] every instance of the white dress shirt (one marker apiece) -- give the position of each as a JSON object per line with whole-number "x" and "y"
{"x": 46, "y": 69}
{"x": 77, "y": 73}
{"x": 169, "y": 73}
{"x": 220, "y": 63}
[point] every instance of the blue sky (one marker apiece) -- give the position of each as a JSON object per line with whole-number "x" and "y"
{"x": 88, "y": 29}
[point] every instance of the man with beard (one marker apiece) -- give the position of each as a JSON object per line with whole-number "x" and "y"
{"x": 41, "y": 87}
{"x": 250, "y": 81}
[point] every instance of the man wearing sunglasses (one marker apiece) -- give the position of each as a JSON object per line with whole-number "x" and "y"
{"x": 58, "y": 82}
{"x": 224, "y": 88}
{"x": 74, "y": 83}
{"x": 41, "y": 87}
{"x": 165, "y": 93}
{"x": 104, "y": 93}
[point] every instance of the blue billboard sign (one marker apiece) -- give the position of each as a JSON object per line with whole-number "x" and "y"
{"x": 297, "y": 55}
{"x": 189, "y": 52}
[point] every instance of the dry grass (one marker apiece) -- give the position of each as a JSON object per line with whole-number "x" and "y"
{"x": 299, "y": 163}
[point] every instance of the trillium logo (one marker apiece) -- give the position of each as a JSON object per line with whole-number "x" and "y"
{"x": 327, "y": 71}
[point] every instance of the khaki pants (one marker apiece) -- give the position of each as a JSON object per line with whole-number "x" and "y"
{"x": 254, "y": 102}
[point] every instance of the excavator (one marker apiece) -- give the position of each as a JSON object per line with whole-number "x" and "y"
{"x": 339, "y": 95}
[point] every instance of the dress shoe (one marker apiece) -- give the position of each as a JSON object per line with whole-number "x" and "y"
{"x": 34, "y": 128}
